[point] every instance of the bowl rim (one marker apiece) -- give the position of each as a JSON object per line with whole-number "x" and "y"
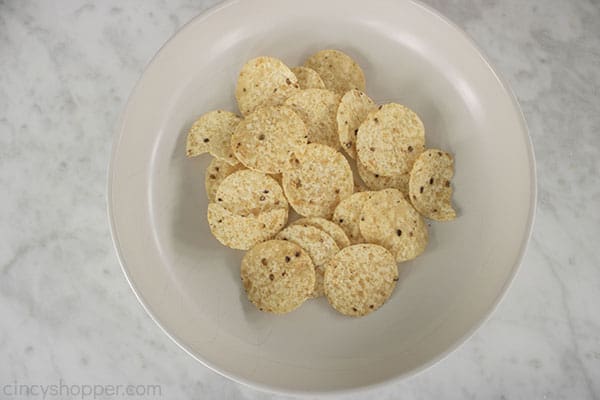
{"x": 384, "y": 382}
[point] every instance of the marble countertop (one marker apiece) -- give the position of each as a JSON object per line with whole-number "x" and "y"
{"x": 66, "y": 311}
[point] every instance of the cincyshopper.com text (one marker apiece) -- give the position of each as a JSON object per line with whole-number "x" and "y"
{"x": 17, "y": 390}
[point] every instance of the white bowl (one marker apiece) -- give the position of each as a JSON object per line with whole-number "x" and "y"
{"x": 190, "y": 284}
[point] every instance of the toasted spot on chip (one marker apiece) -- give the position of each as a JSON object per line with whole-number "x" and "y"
{"x": 269, "y": 138}
{"x": 216, "y": 171}
{"x": 380, "y": 182}
{"x": 390, "y": 140}
{"x": 240, "y": 232}
{"x": 264, "y": 81}
{"x": 389, "y": 220}
{"x": 317, "y": 181}
{"x": 250, "y": 192}
{"x": 278, "y": 276}
{"x": 277, "y": 177}
{"x": 317, "y": 108}
{"x": 308, "y": 78}
{"x": 211, "y": 133}
{"x": 318, "y": 244}
{"x": 347, "y": 215}
{"x": 329, "y": 227}
{"x": 353, "y": 110}
{"x": 432, "y": 172}
{"x": 360, "y": 187}
{"x": 360, "y": 278}
{"x": 339, "y": 72}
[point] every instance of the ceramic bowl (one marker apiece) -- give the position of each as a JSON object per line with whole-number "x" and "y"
{"x": 190, "y": 284}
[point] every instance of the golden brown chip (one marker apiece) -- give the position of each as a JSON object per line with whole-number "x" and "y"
{"x": 241, "y": 233}
{"x": 329, "y": 227}
{"x": 317, "y": 181}
{"x": 318, "y": 244}
{"x": 308, "y": 78}
{"x": 390, "y": 140}
{"x": 360, "y": 278}
{"x": 264, "y": 81}
{"x": 250, "y": 192}
{"x": 317, "y": 108}
{"x": 389, "y": 220}
{"x": 429, "y": 186}
{"x": 353, "y": 110}
{"x": 211, "y": 133}
{"x": 339, "y": 72}
{"x": 269, "y": 138}
{"x": 216, "y": 171}
{"x": 347, "y": 215}
{"x": 278, "y": 276}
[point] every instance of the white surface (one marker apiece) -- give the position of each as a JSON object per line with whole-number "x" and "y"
{"x": 66, "y": 310}
{"x": 190, "y": 283}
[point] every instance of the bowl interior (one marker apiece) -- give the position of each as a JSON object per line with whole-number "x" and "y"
{"x": 190, "y": 283}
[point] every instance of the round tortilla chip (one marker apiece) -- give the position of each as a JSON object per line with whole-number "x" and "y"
{"x": 211, "y": 133}
{"x": 241, "y": 233}
{"x": 360, "y": 278}
{"x": 264, "y": 81}
{"x": 390, "y": 140}
{"x": 429, "y": 186}
{"x": 379, "y": 182}
{"x": 278, "y": 276}
{"x": 339, "y": 72}
{"x": 317, "y": 108}
{"x": 347, "y": 215}
{"x": 216, "y": 171}
{"x": 353, "y": 110}
{"x": 269, "y": 138}
{"x": 319, "y": 246}
{"x": 330, "y": 228}
{"x": 248, "y": 192}
{"x": 308, "y": 78}
{"x": 317, "y": 181}
{"x": 389, "y": 220}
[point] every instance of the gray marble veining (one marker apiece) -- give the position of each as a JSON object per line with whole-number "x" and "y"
{"x": 66, "y": 313}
